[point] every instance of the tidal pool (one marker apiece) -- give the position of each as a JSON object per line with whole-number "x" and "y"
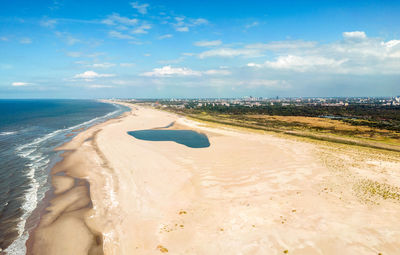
{"x": 188, "y": 138}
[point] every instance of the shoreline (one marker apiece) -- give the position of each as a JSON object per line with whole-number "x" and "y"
{"x": 33, "y": 156}
{"x": 157, "y": 197}
{"x": 62, "y": 182}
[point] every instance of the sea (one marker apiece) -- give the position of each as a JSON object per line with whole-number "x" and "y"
{"x": 30, "y": 130}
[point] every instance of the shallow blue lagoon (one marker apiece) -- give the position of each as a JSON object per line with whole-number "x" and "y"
{"x": 188, "y": 138}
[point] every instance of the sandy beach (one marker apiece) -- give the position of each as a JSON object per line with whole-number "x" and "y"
{"x": 248, "y": 193}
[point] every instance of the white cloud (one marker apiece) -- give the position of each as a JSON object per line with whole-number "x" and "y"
{"x": 92, "y": 75}
{"x": 229, "y": 53}
{"x": 165, "y": 36}
{"x": 20, "y": 84}
{"x": 116, "y": 19}
{"x": 142, "y": 29}
{"x": 67, "y": 38}
{"x": 355, "y": 54}
{"x": 253, "y": 24}
{"x": 301, "y": 64}
{"x": 55, "y": 5}
{"x": 51, "y": 23}
{"x": 168, "y": 71}
{"x": 119, "y": 35}
{"x": 282, "y": 45}
{"x": 182, "y": 24}
{"x": 137, "y": 42}
{"x": 141, "y": 8}
{"x": 391, "y": 43}
{"x": 197, "y": 22}
{"x": 99, "y": 86}
{"x": 3, "y": 38}
{"x": 71, "y": 40}
{"x": 95, "y": 54}
{"x": 217, "y": 72}
{"x": 254, "y": 65}
{"x": 123, "y": 25}
{"x": 355, "y": 35}
{"x": 208, "y": 43}
{"x": 102, "y": 65}
{"x": 25, "y": 40}
{"x": 121, "y": 82}
{"x": 182, "y": 29}
{"x": 254, "y": 50}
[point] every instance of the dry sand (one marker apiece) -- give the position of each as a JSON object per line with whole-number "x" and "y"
{"x": 247, "y": 193}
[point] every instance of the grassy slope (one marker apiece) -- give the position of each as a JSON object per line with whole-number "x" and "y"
{"x": 309, "y": 127}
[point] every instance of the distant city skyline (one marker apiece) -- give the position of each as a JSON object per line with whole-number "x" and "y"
{"x": 199, "y": 49}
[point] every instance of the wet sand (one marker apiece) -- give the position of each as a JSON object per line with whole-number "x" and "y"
{"x": 248, "y": 193}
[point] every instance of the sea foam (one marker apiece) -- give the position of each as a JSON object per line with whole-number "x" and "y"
{"x": 39, "y": 161}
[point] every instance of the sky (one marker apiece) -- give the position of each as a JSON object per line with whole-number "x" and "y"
{"x": 199, "y": 49}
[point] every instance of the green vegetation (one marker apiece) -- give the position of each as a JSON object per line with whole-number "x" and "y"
{"x": 382, "y": 117}
{"x": 364, "y": 125}
{"x": 368, "y": 190}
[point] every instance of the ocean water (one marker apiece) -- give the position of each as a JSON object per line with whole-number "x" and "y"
{"x": 29, "y": 132}
{"x": 188, "y": 138}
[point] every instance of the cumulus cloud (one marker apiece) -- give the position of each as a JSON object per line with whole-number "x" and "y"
{"x": 116, "y": 19}
{"x": 169, "y": 71}
{"x": 282, "y": 45}
{"x": 253, "y": 24}
{"x": 161, "y": 37}
{"x": 182, "y": 29}
{"x": 141, "y": 8}
{"x": 197, "y": 22}
{"x": 92, "y": 75}
{"x": 119, "y": 35}
{"x": 99, "y": 86}
{"x": 355, "y": 54}
{"x": 102, "y": 65}
{"x": 300, "y": 63}
{"x": 122, "y": 26}
{"x": 355, "y": 35}
{"x": 142, "y": 29}
{"x": 20, "y": 84}
{"x": 67, "y": 38}
{"x": 51, "y": 23}
{"x": 257, "y": 49}
{"x": 182, "y": 24}
{"x": 208, "y": 43}
{"x": 217, "y": 72}
{"x": 391, "y": 43}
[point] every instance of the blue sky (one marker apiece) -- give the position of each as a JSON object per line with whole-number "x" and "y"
{"x": 153, "y": 49}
